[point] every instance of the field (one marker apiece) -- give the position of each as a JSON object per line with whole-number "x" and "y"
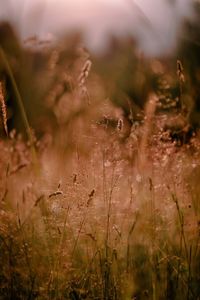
{"x": 100, "y": 170}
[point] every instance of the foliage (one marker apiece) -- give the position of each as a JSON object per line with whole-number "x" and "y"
{"x": 113, "y": 212}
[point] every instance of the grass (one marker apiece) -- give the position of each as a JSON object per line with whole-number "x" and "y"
{"x": 108, "y": 234}
{"x": 114, "y": 212}
{"x": 20, "y": 104}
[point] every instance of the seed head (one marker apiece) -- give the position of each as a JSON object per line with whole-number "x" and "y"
{"x": 3, "y": 107}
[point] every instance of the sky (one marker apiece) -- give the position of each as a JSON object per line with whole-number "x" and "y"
{"x": 155, "y": 24}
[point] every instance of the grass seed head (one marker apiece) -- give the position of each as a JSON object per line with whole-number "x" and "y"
{"x": 3, "y": 107}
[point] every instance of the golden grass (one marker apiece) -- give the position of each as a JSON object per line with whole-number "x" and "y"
{"x": 3, "y": 107}
{"x": 114, "y": 212}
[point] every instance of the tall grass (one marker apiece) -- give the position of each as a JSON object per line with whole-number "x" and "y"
{"x": 115, "y": 211}
{"x": 20, "y": 105}
{"x": 104, "y": 235}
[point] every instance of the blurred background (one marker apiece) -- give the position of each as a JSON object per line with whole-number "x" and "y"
{"x": 133, "y": 46}
{"x": 155, "y": 24}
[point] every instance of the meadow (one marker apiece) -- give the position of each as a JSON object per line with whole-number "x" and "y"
{"x": 100, "y": 170}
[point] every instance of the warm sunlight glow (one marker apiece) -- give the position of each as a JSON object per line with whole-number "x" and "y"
{"x": 99, "y": 149}
{"x": 153, "y": 23}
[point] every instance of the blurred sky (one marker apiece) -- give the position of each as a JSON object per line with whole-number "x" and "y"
{"x": 155, "y": 24}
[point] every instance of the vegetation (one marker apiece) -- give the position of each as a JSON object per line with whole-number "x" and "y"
{"x": 101, "y": 199}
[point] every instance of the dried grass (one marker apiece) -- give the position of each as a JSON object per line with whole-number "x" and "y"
{"x": 3, "y": 107}
{"x": 113, "y": 213}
